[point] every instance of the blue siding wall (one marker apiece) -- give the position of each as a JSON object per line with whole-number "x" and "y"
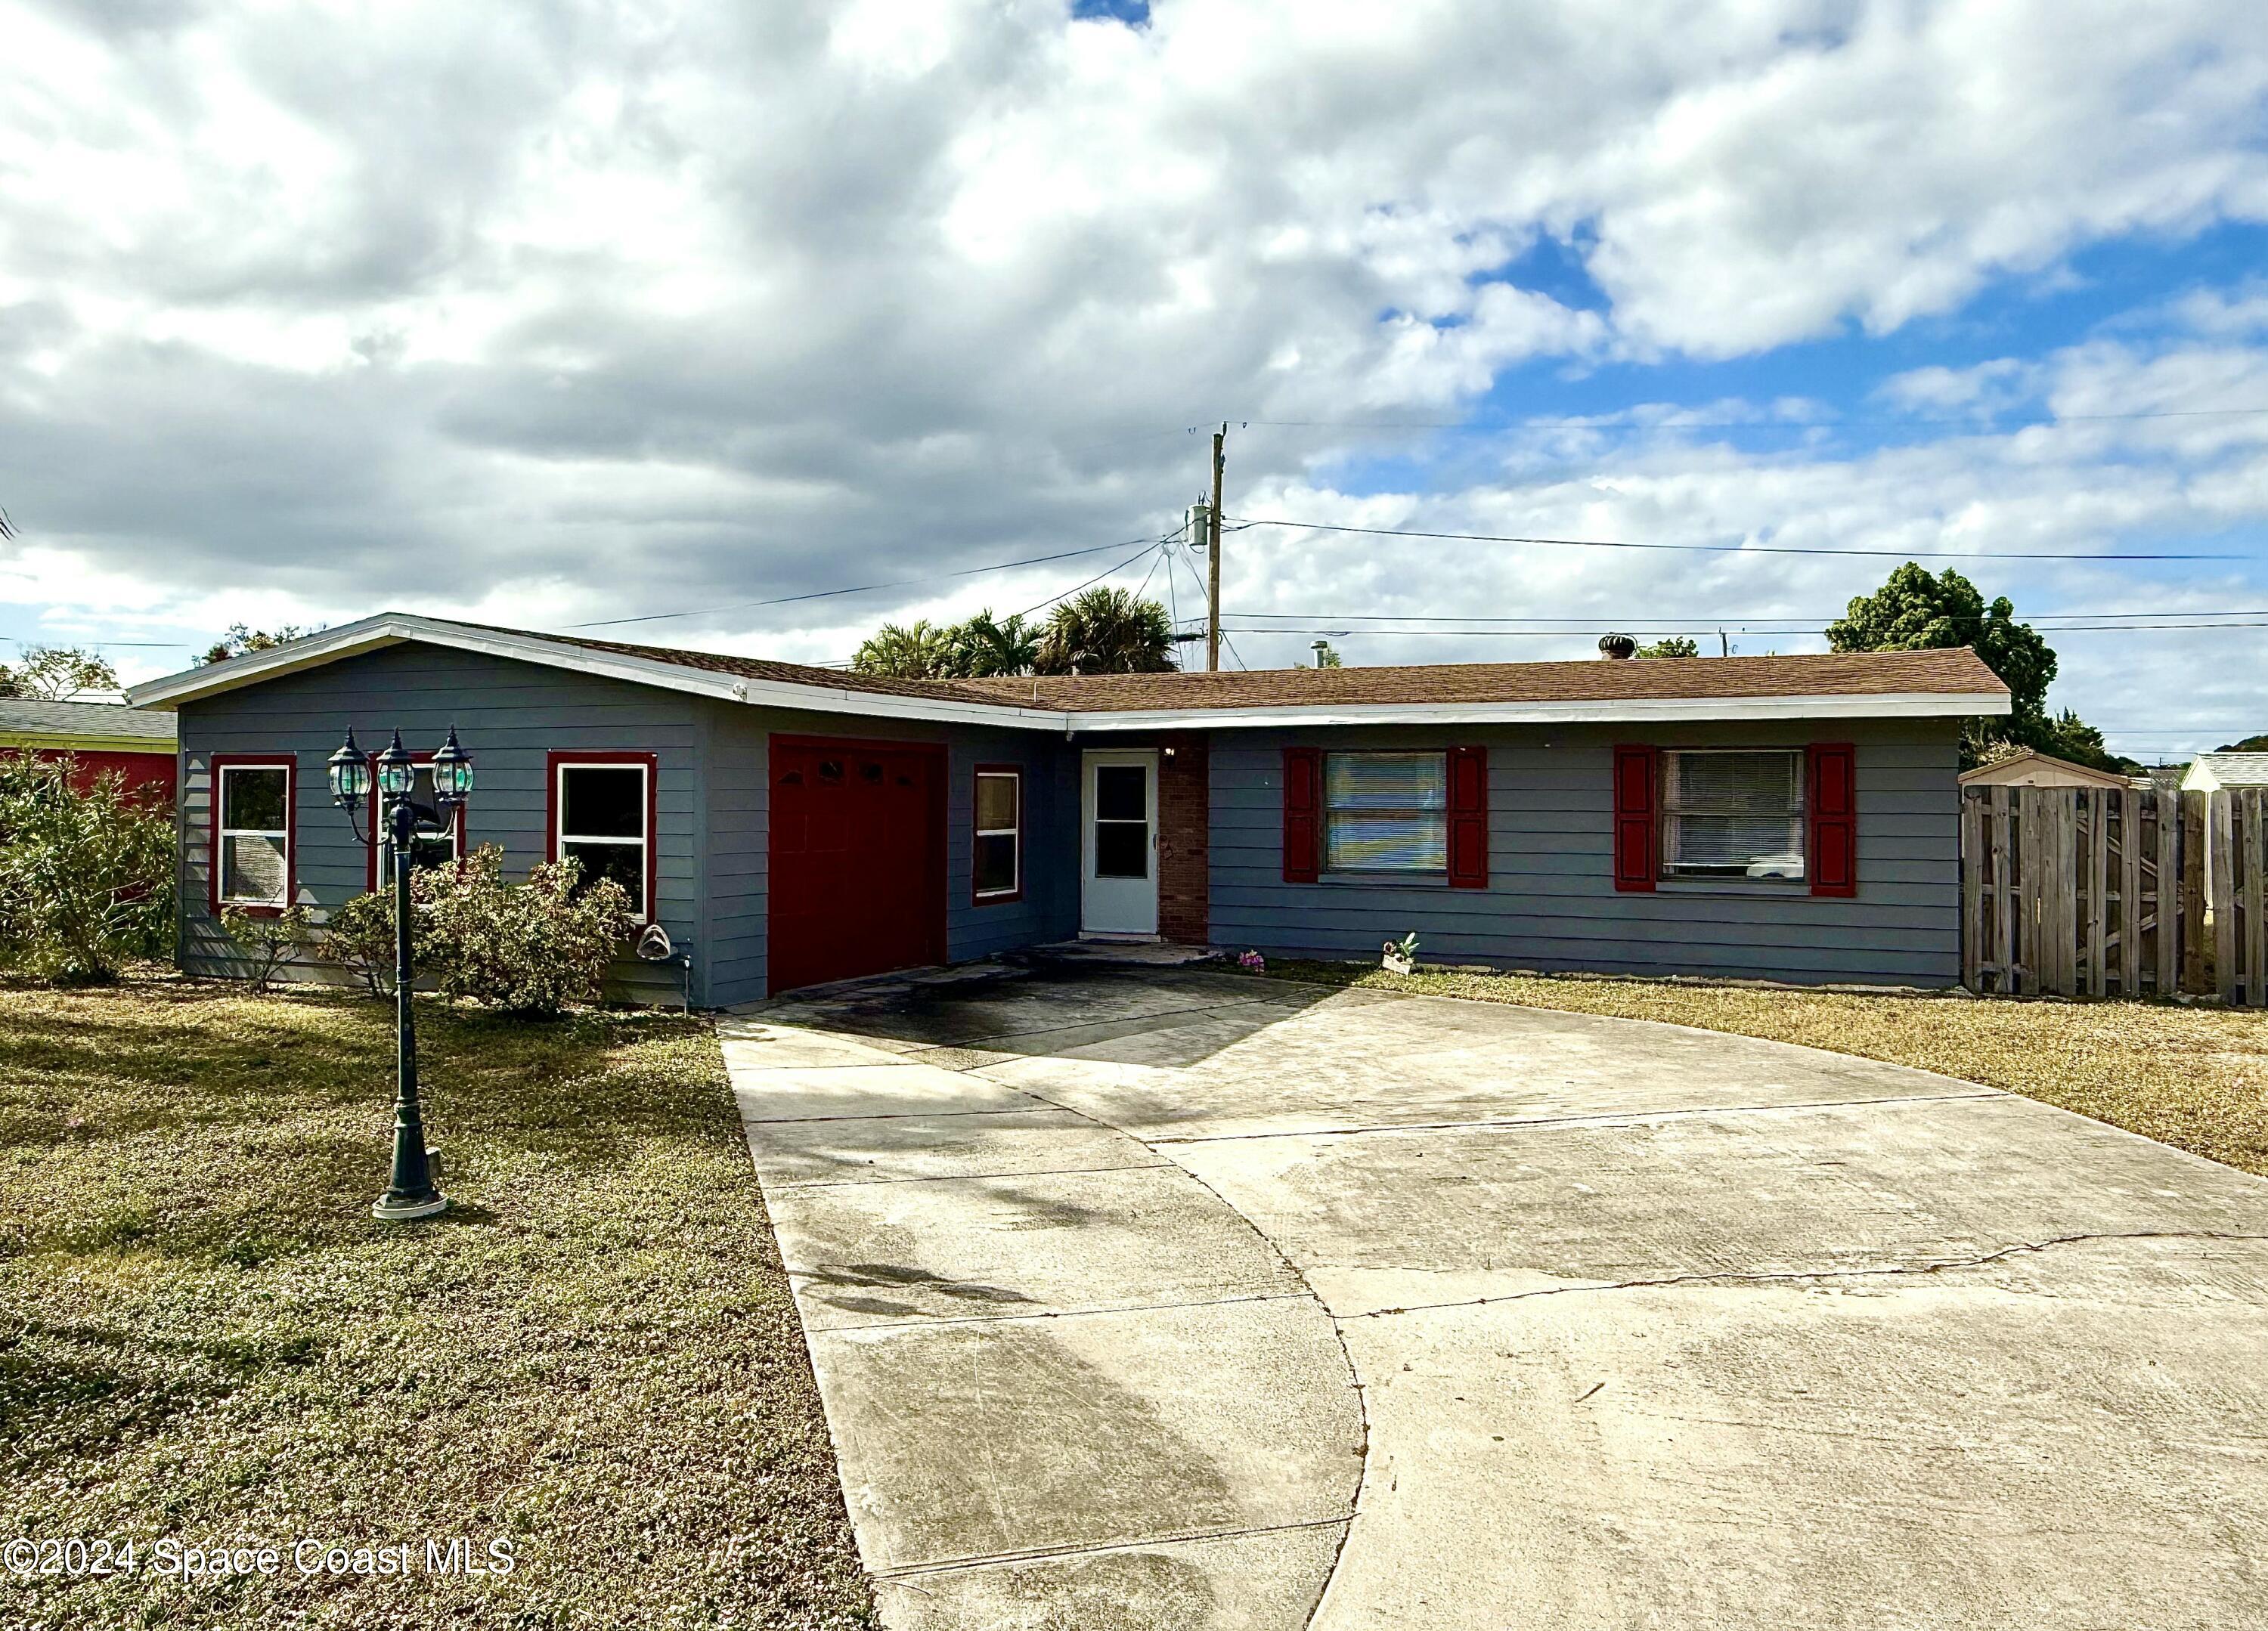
{"x": 739, "y": 860}
{"x": 509, "y": 715}
{"x": 1551, "y": 904}
{"x": 712, "y": 797}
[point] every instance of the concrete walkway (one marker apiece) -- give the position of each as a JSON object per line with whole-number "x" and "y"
{"x": 1146, "y": 1297}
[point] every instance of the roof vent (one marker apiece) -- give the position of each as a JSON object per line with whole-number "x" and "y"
{"x": 1616, "y": 648}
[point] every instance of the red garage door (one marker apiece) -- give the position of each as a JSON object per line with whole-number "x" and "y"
{"x": 857, "y": 859}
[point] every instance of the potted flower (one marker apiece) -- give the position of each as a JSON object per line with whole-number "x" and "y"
{"x": 1400, "y": 956}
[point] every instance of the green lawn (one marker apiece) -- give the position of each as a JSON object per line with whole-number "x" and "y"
{"x": 2193, "y": 1076}
{"x": 204, "y": 1336}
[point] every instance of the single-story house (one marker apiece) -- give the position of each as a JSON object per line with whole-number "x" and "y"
{"x": 2212, "y": 772}
{"x": 100, "y": 736}
{"x": 1792, "y": 818}
{"x": 2033, "y": 768}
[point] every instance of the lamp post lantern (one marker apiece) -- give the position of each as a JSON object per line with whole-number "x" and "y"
{"x": 412, "y": 1192}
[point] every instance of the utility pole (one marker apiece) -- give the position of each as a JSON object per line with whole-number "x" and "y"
{"x": 1213, "y": 566}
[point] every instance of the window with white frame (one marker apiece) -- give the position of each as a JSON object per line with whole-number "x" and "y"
{"x": 1386, "y": 813}
{"x": 254, "y": 854}
{"x": 1733, "y": 812}
{"x": 602, "y": 810}
{"x": 998, "y": 860}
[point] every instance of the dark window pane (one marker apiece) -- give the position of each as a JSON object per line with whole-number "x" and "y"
{"x": 996, "y": 803}
{"x": 625, "y": 863}
{"x": 251, "y": 800}
{"x": 1122, "y": 849}
{"x": 602, "y": 801}
{"x": 1122, "y": 793}
{"x": 995, "y": 864}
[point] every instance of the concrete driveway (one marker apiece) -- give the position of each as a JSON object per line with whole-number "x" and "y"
{"x": 1149, "y": 1297}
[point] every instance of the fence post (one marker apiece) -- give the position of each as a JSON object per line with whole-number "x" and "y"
{"x": 2220, "y": 889}
{"x": 2098, "y": 889}
{"x": 2004, "y": 894}
{"x": 2193, "y": 817}
{"x": 2129, "y": 892}
{"x": 1972, "y": 888}
{"x": 2169, "y": 806}
{"x": 2064, "y": 813}
{"x": 2256, "y": 923}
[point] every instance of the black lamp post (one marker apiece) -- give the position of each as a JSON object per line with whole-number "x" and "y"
{"x": 411, "y": 1194}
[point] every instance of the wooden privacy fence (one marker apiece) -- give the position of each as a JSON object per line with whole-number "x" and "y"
{"x": 2113, "y": 892}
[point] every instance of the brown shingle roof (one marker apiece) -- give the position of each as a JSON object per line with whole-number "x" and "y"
{"x": 1835, "y": 673}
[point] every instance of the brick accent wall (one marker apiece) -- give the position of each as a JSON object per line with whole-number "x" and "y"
{"x": 1184, "y": 817}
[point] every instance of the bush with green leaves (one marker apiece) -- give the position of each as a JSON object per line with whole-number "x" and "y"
{"x": 359, "y": 934}
{"x": 269, "y": 940}
{"x": 532, "y": 948}
{"x": 86, "y": 873}
{"x": 527, "y": 948}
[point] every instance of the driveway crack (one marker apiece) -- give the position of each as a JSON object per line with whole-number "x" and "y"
{"x": 1764, "y": 1277}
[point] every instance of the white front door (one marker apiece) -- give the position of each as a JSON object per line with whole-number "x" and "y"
{"x": 1118, "y": 842}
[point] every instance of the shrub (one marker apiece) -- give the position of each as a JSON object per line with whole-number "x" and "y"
{"x": 86, "y": 874}
{"x": 528, "y": 948}
{"x": 360, "y": 934}
{"x": 268, "y": 939}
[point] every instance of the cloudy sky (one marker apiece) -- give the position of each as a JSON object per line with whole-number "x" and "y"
{"x": 560, "y": 315}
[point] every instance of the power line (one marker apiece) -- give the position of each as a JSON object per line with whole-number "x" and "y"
{"x": 1973, "y": 422}
{"x": 1589, "y": 620}
{"x": 1750, "y": 549}
{"x": 1342, "y": 627}
{"x": 860, "y": 589}
{"x": 1160, "y": 543}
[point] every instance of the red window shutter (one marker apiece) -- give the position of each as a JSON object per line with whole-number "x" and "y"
{"x": 1469, "y": 817}
{"x": 1834, "y": 810}
{"x": 1303, "y": 798}
{"x": 1638, "y": 772}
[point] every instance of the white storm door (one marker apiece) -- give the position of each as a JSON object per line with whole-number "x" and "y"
{"x": 1118, "y": 842}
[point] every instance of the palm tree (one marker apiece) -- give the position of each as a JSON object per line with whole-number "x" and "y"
{"x": 1107, "y": 631}
{"x": 983, "y": 648}
{"x": 920, "y": 650}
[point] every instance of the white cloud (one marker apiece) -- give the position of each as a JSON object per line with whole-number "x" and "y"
{"x": 561, "y": 313}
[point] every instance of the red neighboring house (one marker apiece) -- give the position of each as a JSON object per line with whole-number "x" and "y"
{"x": 137, "y": 743}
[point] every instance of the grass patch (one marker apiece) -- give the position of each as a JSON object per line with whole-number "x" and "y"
{"x": 2195, "y": 1077}
{"x": 203, "y": 1334}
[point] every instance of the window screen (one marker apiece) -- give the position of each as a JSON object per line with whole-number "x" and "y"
{"x": 602, "y": 824}
{"x": 1732, "y": 814}
{"x": 998, "y": 832}
{"x": 1386, "y": 813}
{"x": 255, "y": 836}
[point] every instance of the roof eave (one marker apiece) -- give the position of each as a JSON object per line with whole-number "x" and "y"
{"x": 390, "y": 628}
{"x": 1864, "y": 705}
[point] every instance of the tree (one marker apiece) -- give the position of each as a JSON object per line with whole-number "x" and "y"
{"x": 56, "y": 673}
{"x": 2249, "y": 744}
{"x": 1915, "y": 612}
{"x": 920, "y": 650}
{"x": 240, "y": 639}
{"x": 1107, "y": 631}
{"x": 983, "y": 648}
{"x": 86, "y": 873}
{"x": 1675, "y": 645}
